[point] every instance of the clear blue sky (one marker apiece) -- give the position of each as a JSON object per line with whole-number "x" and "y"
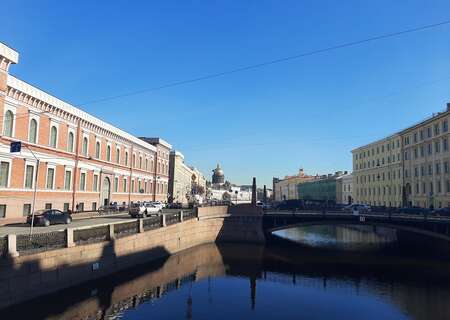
{"x": 265, "y": 122}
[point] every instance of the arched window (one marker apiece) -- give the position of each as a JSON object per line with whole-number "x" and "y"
{"x": 70, "y": 141}
{"x": 108, "y": 153}
{"x": 146, "y": 164}
{"x": 8, "y": 123}
{"x": 85, "y": 146}
{"x": 140, "y": 162}
{"x": 33, "y": 131}
{"x": 126, "y": 158}
{"x": 134, "y": 161}
{"x": 53, "y": 136}
{"x": 97, "y": 150}
{"x": 117, "y": 155}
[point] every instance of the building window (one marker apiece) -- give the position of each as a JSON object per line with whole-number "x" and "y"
{"x": 48, "y": 206}
{"x": 26, "y": 209}
{"x": 53, "y": 136}
{"x": 8, "y": 124}
{"x": 445, "y": 167}
{"x": 430, "y": 149}
{"x": 32, "y": 132}
{"x": 95, "y": 185}
{"x": 436, "y": 129}
{"x": 134, "y": 161}
{"x": 50, "y": 178}
{"x": 66, "y": 207}
{"x": 126, "y": 158}
{"x": 108, "y": 153}
{"x": 445, "y": 144}
{"x": 429, "y": 132}
{"x": 82, "y": 181}
{"x": 146, "y": 164}
{"x": 85, "y": 146}
{"x": 124, "y": 185}
{"x": 132, "y": 186}
{"x": 116, "y": 184}
{"x": 80, "y": 206}
{"x": 437, "y": 147}
{"x": 67, "y": 180}
{"x": 70, "y": 141}
{"x": 2, "y": 210}
{"x": 117, "y": 155}
{"x": 445, "y": 126}
{"x": 4, "y": 174}
{"x": 97, "y": 150}
{"x": 29, "y": 174}
{"x": 94, "y": 206}
{"x": 140, "y": 162}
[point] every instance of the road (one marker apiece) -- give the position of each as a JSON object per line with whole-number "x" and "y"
{"x": 23, "y": 228}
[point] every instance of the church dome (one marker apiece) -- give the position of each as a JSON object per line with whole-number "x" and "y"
{"x": 218, "y": 175}
{"x": 218, "y": 171}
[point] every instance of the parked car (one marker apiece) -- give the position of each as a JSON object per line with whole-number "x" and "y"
{"x": 141, "y": 210}
{"x": 414, "y": 210}
{"x": 357, "y": 208}
{"x": 290, "y": 205}
{"x": 49, "y": 216}
{"x": 112, "y": 208}
{"x": 442, "y": 212}
{"x": 159, "y": 204}
{"x": 175, "y": 205}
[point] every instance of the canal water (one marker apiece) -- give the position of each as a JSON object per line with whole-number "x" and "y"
{"x": 307, "y": 273}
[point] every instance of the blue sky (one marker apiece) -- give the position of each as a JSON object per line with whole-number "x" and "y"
{"x": 264, "y": 122}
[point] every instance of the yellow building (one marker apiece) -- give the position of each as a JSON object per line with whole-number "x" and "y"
{"x": 286, "y": 189}
{"x": 408, "y": 168}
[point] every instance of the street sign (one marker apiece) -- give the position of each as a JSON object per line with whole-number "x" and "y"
{"x": 15, "y": 146}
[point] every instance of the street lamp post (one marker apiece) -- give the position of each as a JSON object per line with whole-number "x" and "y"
{"x": 15, "y": 147}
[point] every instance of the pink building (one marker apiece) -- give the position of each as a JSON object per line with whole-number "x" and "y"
{"x": 84, "y": 162}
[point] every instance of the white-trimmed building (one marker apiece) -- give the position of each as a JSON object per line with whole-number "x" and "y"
{"x": 84, "y": 162}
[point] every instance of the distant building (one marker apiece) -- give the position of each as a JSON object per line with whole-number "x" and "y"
{"x": 286, "y": 189}
{"x": 184, "y": 181}
{"x": 234, "y": 194}
{"x": 323, "y": 189}
{"x": 344, "y": 189}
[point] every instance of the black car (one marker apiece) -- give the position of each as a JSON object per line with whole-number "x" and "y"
{"x": 442, "y": 212}
{"x": 49, "y": 216}
{"x": 175, "y": 205}
{"x": 414, "y": 210}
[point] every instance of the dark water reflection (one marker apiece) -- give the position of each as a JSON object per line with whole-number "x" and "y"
{"x": 279, "y": 281}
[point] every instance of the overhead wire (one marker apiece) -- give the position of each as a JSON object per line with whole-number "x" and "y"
{"x": 270, "y": 62}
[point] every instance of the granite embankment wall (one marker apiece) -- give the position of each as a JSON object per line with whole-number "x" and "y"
{"x": 28, "y": 276}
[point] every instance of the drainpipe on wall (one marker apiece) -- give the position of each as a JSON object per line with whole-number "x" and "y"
{"x": 131, "y": 174}
{"x": 75, "y": 175}
{"x": 156, "y": 173}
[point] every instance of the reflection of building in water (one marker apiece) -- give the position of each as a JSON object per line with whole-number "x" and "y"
{"x": 344, "y": 236}
{"x": 365, "y": 234}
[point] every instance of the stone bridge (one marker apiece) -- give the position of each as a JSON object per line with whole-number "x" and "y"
{"x": 437, "y": 227}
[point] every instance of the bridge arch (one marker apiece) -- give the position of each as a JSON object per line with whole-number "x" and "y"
{"x": 425, "y": 229}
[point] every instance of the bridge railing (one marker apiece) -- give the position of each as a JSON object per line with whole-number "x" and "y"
{"x": 385, "y": 214}
{"x": 14, "y": 245}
